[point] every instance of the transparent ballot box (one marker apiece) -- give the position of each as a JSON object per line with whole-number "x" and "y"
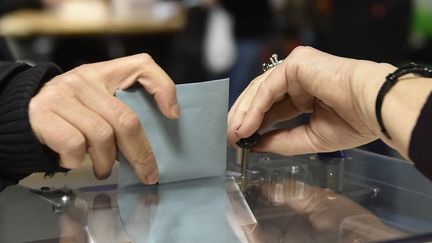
{"x": 357, "y": 197}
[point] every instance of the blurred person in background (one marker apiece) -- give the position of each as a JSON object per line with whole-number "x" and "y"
{"x": 186, "y": 51}
{"x": 252, "y": 25}
{"x": 376, "y": 30}
{"x": 244, "y": 23}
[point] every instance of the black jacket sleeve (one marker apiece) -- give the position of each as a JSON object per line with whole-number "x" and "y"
{"x": 420, "y": 148}
{"x": 20, "y": 151}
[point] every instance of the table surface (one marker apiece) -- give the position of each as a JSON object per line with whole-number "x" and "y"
{"x": 24, "y": 23}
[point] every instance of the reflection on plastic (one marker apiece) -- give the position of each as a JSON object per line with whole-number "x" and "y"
{"x": 280, "y": 184}
{"x": 188, "y": 211}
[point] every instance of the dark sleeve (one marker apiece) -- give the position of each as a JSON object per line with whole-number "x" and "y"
{"x": 20, "y": 152}
{"x": 420, "y": 148}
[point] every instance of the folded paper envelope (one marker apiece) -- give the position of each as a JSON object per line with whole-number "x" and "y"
{"x": 191, "y": 147}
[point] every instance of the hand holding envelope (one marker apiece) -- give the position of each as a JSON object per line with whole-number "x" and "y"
{"x": 80, "y": 104}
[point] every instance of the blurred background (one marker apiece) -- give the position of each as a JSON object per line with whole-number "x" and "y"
{"x": 198, "y": 40}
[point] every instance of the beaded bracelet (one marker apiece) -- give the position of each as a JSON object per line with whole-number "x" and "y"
{"x": 391, "y": 80}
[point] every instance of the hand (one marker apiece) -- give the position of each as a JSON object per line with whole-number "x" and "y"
{"x": 332, "y": 89}
{"x": 76, "y": 113}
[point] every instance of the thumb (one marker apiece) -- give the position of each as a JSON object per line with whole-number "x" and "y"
{"x": 289, "y": 141}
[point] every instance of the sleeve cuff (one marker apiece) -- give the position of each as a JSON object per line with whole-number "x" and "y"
{"x": 20, "y": 150}
{"x": 421, "y": 140}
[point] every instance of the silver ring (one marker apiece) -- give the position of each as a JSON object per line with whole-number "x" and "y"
{"x": 274, "y": 61}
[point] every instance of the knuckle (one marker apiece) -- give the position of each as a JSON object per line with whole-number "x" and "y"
{"x": 49, "y": 97}
{"x": 51, "y": 94}
{"x": 71, "y": 80}
{"x": 36, "y": 105}
{"x": 165, "y": 89}
{"x": 301, "y": 50}
{"x": 145, "y": 58}
{"x": 265, "y": 92}
{"x": 103, "y": 132}
{"x": 73, "y": 144}
{"x": 260, "y": 110}
{"x": 82, "y": 68}
{"x": 70, "y": 77}
{"x": 294, "y": 60}
{"x": 242, "y": 111}
{"x": 168, "y": 86}
{"x": 128, "y": 122}
{"x": 263, "y": 88}
{"x": 256, "y": 81}
{"x": 144, "y": 158}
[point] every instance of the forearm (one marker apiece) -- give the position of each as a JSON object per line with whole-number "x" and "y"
{"x": 401, "y": 105}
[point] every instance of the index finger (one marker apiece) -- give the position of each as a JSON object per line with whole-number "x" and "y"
{"x": 269, "y": 91}
{"x": 129, "y": 134}
{"x": 122, "y": 73}
{"x": 240, "y": 107}
{"x": 133, "y": 142}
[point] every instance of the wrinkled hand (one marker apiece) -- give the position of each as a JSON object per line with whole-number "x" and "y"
{"x": 76, "y": 113}
{"x": 310, "y": 81}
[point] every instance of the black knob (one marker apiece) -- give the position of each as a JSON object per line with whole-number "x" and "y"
{"x": 249, "y": 142}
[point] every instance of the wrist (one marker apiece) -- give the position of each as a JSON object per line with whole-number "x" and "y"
{"x": 366, "y": 80}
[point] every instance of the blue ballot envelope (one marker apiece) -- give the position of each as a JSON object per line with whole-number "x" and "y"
{"x": 191, "y": 147}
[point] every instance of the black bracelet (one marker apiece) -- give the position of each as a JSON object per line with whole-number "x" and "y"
{"x": 391, "y": 80}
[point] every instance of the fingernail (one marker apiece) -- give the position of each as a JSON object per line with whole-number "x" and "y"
{"x": 175, "y": 110}
{"x": 152, "y": 177}
{"x": 104, "y": 176}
